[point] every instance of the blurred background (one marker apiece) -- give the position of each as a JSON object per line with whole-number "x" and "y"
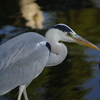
{"x": 77, "y": 78}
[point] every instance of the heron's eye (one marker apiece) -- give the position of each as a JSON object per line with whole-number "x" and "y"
{"x": 69, "y": 34}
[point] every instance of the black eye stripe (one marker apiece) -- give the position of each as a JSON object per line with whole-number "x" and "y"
{"x": 62, "y": 28}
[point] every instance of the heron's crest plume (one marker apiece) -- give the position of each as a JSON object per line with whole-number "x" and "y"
{"x": 63, "y": 28}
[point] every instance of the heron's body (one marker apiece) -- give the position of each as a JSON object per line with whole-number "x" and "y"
{"x": 17, "y": 65}
{"x": 24, "y": 57}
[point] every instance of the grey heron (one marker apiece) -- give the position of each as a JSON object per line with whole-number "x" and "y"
{"x": 24, "y": 57}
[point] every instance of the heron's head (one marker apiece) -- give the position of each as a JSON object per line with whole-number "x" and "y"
{"x": 66, "y": 34}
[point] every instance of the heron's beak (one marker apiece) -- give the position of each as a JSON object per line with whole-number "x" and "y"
{"x": 83, "y": 41}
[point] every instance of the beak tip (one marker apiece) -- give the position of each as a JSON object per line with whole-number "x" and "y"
{"x": 96, "y": 48}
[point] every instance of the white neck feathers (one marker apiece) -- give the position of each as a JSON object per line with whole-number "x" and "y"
{"x": 58, "y": 50}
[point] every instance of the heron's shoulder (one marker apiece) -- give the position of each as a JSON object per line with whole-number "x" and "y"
{"x": 36, "y": 37}
{"x": 30, "y": 38}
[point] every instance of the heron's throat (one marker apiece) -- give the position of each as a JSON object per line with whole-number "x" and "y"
{"x": 58, "y": 50}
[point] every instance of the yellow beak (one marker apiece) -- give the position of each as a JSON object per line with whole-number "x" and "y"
{"x": 83, "y": 41}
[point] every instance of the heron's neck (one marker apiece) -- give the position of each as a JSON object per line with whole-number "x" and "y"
{"x": 58, "y": 50}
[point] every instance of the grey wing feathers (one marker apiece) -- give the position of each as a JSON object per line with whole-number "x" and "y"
{"x": 21, "y": 60}
{"x": 19, "y": 47}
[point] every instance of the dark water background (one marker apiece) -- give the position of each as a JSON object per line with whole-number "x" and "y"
{"x": 77, "y": 78}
